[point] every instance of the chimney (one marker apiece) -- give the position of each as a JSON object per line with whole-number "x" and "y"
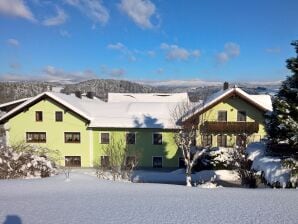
{"x": 225, "y": 85}
{"x": 90, "y": 95}
{"x": 78, "y": 94}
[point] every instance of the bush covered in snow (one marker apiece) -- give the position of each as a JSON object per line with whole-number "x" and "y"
{"x": 219, "y": 158}
{"x": 26, "y": 162}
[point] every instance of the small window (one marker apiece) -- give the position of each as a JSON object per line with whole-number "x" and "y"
{"x": 157, "y": 162}
{"x": 222, "y": 115}
{"x": 105, "y": 138}
{"x": 240, "y": 141}
{"x": 36, "y": 137}
{"x": 157, "y": 139}
{"x": 130, "y": 138}
{"x": 72, "y": 161}
{"x": 206, "y": 140}
{"x": 59, "y": 116}
{"x": 38, "y": 116}
{"x": 221, "y": 140}
{"x": 241, "y": 116}
{"x": 72, "y": 137}
{"x": 130, "y": 162}
{"x": 105, "y": 162}
{"x": 181, "y": 162}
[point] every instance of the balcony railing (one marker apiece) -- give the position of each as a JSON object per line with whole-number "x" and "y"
{"x": 230, "y": 127}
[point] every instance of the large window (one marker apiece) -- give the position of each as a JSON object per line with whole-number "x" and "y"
{"x": 72, "y": 137}
{"x": 105, "y": 162}
{"x": 105, "y": 138}
{"x": 157, "y": 162}
{"x": 36, "y": 137}
{"x": 241, "y": 116}
{"x": 222, "y": 115}
{"x": 206, "y": 140}
{"x": 38, "y": 116}
{"x": 72, "y": 161}
{"x": 58, "y": 116}
{"x": 157, "y": 139}
{"x": 130, "y": 138}
{"x": 221, "y": 140}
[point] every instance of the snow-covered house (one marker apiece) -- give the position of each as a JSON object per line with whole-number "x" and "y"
{"x": 80, "y": 127}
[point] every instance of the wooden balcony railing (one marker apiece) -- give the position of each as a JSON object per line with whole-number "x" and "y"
{"x": 230, "y": 127}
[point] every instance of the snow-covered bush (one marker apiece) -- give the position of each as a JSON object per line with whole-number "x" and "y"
{"x": 15, "y": 163}
{"x": 219, "y": 158}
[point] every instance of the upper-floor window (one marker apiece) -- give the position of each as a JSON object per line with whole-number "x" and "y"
{"x": 105, "y": 138}
{"x": 222, "y": 115}
{"x": 241, "y": 116}
{"x": 59, "y": 116}
{"x": 207, "y": 140}
{"x": 36, "y": 137}
{"x": 130, "y": 138}
{"x": 72, "y": 137}
{"x": 157, "y": 139}
{"x": 38, "y": 115}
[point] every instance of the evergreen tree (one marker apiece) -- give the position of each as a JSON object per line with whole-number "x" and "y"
{"x": 282, "y": 123}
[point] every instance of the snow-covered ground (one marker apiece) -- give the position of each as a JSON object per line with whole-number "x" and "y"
{"x": 85, "y": 199}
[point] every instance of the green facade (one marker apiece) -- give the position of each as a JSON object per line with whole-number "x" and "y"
{"x": 90, "y": 148}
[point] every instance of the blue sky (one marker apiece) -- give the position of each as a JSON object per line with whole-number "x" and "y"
{"x": 211, "y": 40}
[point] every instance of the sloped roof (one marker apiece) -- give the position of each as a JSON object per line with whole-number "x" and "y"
{"x": 147, "y": 97}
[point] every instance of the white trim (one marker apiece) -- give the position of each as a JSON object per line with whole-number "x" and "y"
{"x": 91, "y": 147}
{"x": 25, "y": 137}
{"x": 161, "y": 161}
{"x": 99, "y": 137}
{"x": 153, "y": 138}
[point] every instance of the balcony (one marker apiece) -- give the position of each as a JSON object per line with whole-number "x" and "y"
{"x": 230, "y": 127}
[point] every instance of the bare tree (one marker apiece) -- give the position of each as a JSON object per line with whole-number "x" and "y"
{"x": 188, "y": 124}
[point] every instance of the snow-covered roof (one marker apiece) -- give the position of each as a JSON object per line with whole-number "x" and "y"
{"x": 13, "y": 102}
{"x": 147, "y": 97}
{"x": 263, "y": 102}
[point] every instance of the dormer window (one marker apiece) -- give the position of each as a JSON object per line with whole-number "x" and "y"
{"x": 38, "y": 116}
{"x": 222, "y": 116}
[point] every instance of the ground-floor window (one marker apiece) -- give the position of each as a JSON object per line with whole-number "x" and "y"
{"x": 157, "y": 162}
{"x": 72, "y": 161}
{"x": 206, "y": 140}
{"x": 36, "y": 137}
{"x": 240, "y": 140}
{"x": 105, "y": 162}
{"x": 181, "y": 162}
{"x": 221, "y": 140}
{"x": 130, "y": 162}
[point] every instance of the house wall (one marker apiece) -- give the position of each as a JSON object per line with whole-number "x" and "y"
{"x": 144, "y": 148}
{"x": 25, "y": 122}
{"x": 232, "y": 105}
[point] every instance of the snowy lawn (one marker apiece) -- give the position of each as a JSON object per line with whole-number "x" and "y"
{"x": 85, "y": 199}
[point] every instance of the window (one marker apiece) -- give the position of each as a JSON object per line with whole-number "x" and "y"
{"x": 59, "y": 116}
{"x": 222, "y": 115}
{"x": 241, "y": 116}
{"x": 221, "y": 140}
{"x": 72, "y": 161}
{"x": 36, "y": 137}
{"x": 157, "y": 139}
{"x": 181, "y": 162}
{"x": 38, "y": 115}
{"x": 157, "y": 162}
{"x": 72, "y": 137}
{"x": 130, "y": 138}
{"x": 206, "y": 140}
{"x": 130, "y": 162}
{"x": 105, "y": 161}
{"x": 240, "y": 140}
{"x": 105, "y": 138}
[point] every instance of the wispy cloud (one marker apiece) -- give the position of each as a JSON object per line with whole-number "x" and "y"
{"x": 64, "y": 33}
{"x": 123, "y": 50}
{"x": 13, "y": 42}
{"x": 59, "y": 19}
{"x": 174, "y": 52}
{"x": 140, "y": 11}
{"x": 95, "y": 10}
{"x": 112, "y": 72}
{"x": 231, "y": 50}
{"x": 16, "y": 8}
{"x": 273, "y": 50}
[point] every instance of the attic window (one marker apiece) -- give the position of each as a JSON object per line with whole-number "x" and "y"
{"x": 241, "y": 116}
{"x": 59, "y": 116}
{"x": 222, "y": 115}
{"x": 38, "y": 116}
